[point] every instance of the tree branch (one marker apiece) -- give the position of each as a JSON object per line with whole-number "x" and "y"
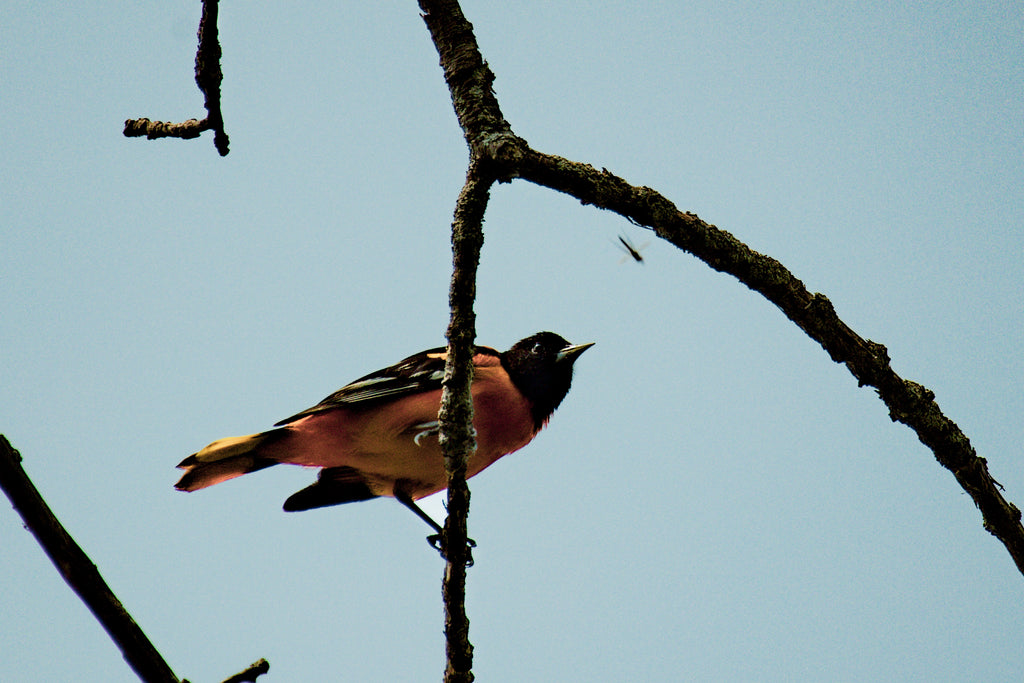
{"x": 208, "y": 78}
{"x": 470, "y": 82}
{"x": 458, "y": 438}
{"x": 868, "y": 361}
{"x": 492, "y": 141}
{"x": 251, "y": 673}
{"x": 80, "y": 573}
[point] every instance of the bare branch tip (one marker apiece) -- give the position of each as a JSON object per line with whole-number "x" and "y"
{"x": 250, "y": 674}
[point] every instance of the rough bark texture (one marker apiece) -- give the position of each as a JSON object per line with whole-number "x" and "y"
{"x": 868, "y": 361}
{"x": 458, "y": 440}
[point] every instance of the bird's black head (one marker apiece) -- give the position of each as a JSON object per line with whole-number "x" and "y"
{"x": 541, "y": 367}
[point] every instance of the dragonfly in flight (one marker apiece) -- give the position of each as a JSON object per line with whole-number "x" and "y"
{"x": 632, "y": 251}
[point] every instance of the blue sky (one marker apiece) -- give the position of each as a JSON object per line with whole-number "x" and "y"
{"x": 715, "y": 499}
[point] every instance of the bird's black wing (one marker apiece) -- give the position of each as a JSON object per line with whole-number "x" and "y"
{"x": 417, "y": 373}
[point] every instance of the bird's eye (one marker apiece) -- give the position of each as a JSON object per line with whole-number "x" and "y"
{"x": 537, "y": 348}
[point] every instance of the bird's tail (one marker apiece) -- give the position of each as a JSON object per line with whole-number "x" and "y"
{"x": 226, "y": 459}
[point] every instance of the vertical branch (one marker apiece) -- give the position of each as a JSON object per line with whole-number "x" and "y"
{"x": 80, "y": 573}
{"x": 458, "y": 438}
{"x": 208, "y": 73}
{"x": 486, "y": 132}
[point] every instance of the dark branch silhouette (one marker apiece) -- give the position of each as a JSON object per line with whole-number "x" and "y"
{"x": 84, "y": 578}
{"x": 868, "y": 361}
{"x": 79, "y": 572}
{"x": 249, "y": 675}
{"x": 208, "y": 78}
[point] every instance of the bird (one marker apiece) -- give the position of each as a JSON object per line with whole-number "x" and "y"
{"x": 378, "y": 435}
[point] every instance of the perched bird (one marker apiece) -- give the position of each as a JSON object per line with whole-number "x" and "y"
{"x": 378, "y": 435}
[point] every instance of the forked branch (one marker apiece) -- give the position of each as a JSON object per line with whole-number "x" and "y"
{"x": 491, "y": 139}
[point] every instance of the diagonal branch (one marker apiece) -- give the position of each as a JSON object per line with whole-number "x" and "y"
{"x": 470, "y": 82}
{"x": 79, "y": 572}
{"x": 490, "y": 137}
{"x": 868, "y": 361}
{"x": 84, "y": 578}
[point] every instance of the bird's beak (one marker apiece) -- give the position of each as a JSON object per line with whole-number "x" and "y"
{"x": 570, "y": 352}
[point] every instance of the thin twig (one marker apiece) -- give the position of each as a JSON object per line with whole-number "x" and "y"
{"x": 250, "y": 674}
{"x": 208, "y": 78}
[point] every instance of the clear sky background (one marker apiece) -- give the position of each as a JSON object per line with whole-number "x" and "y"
{"x": 715, "y": 499}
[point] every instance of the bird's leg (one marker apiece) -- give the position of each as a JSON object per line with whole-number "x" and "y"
{"x": 435, "y": 540}
{"x": 408, "y": 502}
